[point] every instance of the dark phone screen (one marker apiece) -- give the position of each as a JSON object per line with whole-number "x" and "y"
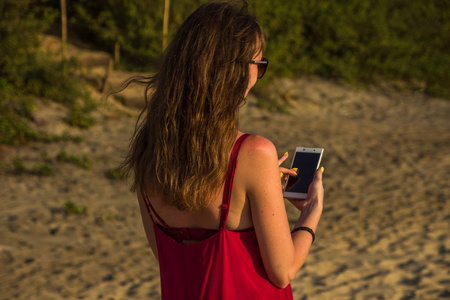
{"x": 307, "y": 166}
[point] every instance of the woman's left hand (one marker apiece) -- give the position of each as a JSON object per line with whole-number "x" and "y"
{"x": 284, "y": 172}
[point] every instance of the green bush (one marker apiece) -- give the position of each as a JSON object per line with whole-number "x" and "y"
{"x": 115, "y": 174}
{"x": 357, "y": 41}
{"x": 354, "y": 40}
{"x": 43, "y": 169}
{"x": 19, "y": 166}
{"x": 21, "y": 23}
{"x": 77, "y": 116}
{"x": 360, "y": 40}
{"x": 61, "y": 137}
{"x": 15, "y": 131}
{"x": 26, "y": 73}
{"x": 81, "y": 161}
{"x": 72, "y": 209}
{"x": 131, "y": 24}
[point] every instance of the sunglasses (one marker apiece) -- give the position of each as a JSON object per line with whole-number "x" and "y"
{"x": 262, "y": 66}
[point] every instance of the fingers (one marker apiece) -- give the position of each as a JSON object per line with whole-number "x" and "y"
{"x": 285, "y": 171}
{"x": 299, "y": 204}
{"x": 315, "y": 190}
{"x": 283, "y": 158}
{"x": 319, "y": 173}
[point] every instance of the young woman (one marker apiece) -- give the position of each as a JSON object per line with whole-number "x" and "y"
{"x": 210, "y": 196}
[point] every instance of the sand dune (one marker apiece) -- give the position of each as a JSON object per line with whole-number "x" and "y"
{"x": 384, "y": 233}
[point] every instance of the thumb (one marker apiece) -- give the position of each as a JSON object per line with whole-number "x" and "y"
{"x": 319, "y": 173}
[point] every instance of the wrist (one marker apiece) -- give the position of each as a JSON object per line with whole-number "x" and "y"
{"x": 307, "y": 229}
{"x": 309, "y": 218}
{"x": 311, "y": 211}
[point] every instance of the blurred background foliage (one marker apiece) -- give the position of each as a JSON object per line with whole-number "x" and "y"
{"x": 352, "y": 40}
{"x": 361, "y": 41}
{"x": 356, "y": 41}
{"x": 27, "y": 72}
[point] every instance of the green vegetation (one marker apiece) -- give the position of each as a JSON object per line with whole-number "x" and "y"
{"x": 19, "y": 166}
{"x": 115, "y": 174}
{"x": 356, "y": 41}
{"x": 79, "y": 116}
{"x": 27, "y": 73}
{"x": 82, "y": 161}
{"x": 43, "y": 169}
{"x": 14, "y": 130}
{"x": 71, "y": 208}
{"x": 110, "y": 217}
{"x": 132, "y": 26}
{"x": 360, "y": 41}
{"x": 61, "y": 137}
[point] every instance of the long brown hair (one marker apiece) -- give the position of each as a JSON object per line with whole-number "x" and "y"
{"x": 180, "y": 149}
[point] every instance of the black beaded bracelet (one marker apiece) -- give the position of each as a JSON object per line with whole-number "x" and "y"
{"x": 305, "y": 229}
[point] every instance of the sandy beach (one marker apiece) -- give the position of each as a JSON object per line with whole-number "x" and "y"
{"x": 384, "y": 233}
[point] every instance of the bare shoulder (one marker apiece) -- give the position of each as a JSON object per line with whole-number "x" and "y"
{"x": 259, "y": 171}
{"x": 256, "y": 145}
{"x": 257, "y": 152}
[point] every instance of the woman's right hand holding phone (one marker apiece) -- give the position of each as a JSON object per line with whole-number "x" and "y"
{"x": 314, "y": 202}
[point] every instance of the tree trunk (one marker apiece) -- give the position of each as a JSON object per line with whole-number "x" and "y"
{"x": 63, "y": 29}
{"x": 166, "y": 22}
{"x": 108, "y": 71}
{"x": 117, "y": 53}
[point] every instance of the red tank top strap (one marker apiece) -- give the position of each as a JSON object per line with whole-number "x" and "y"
{"x": 229, "y": 180}
{"x": 152, "y": 212}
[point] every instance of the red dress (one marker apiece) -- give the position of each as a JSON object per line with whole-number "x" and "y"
{"x": 224, "y": 264}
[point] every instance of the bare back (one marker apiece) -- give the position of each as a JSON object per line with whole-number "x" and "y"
{"x": 239, "y": 217}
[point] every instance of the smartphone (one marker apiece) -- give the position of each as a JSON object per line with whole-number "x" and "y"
{"x": 307, "y": 160}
